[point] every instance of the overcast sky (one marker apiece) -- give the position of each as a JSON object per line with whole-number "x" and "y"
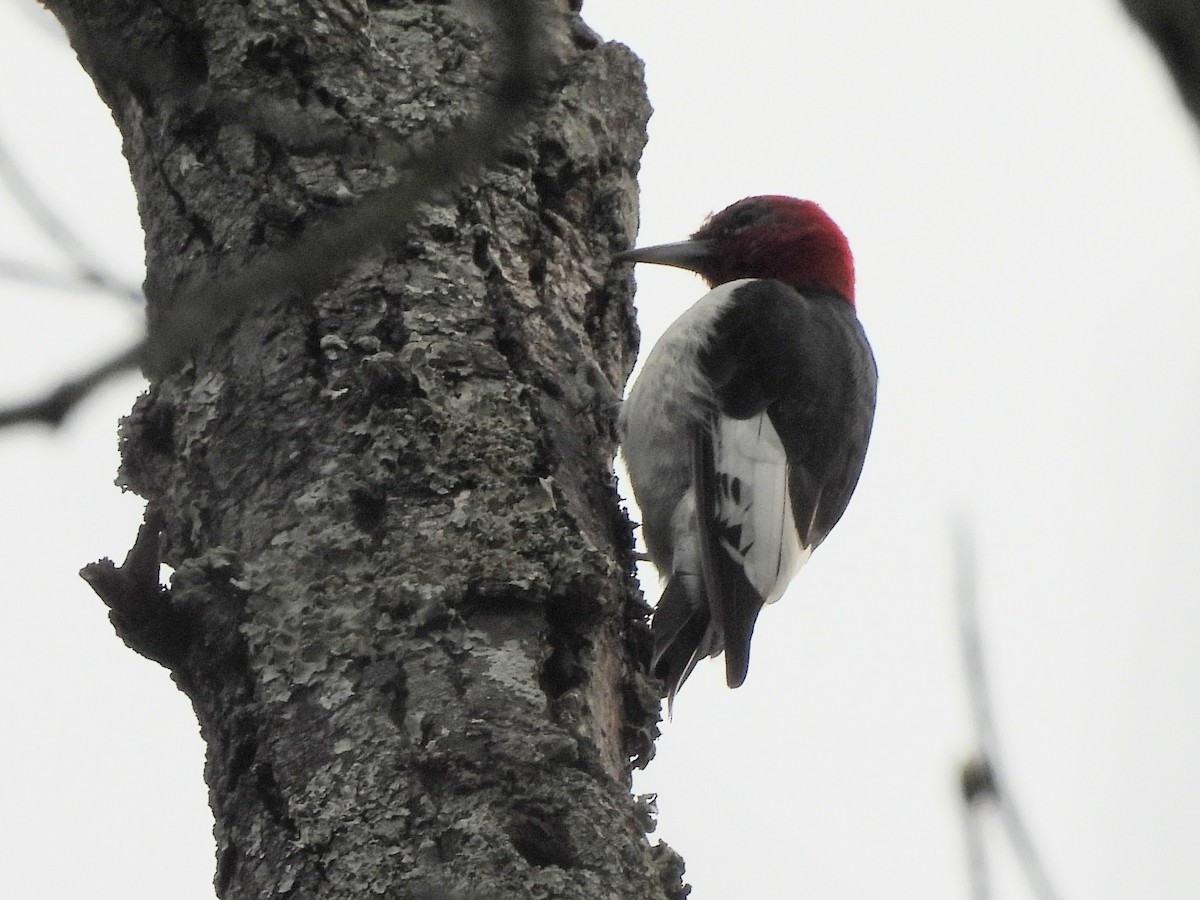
{"x": 1022, "y": 193}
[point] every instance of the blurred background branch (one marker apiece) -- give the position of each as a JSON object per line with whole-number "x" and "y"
{"x": 85, "y": 270}
{"x": 981, "y": 777}
{"x": 1174, "y": 28}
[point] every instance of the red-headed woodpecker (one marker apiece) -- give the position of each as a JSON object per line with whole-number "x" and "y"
{"x": 745, "y": 433}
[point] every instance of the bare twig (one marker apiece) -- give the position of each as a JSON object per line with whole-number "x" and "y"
{"x": 87, "y": 270}
{"x": 315, "y": 260}
{"x": 977, "y": 862}
{"x": 1022, "y": 842}
{"x": 966, "y": 593}
{"x": 19, "y": 271}
{"x": 977, "y": 784}
{"x": 982, "y": 776}
{"x": 53, "y": 407}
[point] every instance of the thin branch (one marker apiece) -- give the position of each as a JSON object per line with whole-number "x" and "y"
{"x": 966, "y": 594}
{"x": 1023, "y": 847}
{"x": 977, "y": 862}
{"x": 59, "y": 232}
{"x": 40, "y": 276}
{"x": 982, "y": 777}
{"x": 54, "y": 406}
{"x": 314, "y": 261}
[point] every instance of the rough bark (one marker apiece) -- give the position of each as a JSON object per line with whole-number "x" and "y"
{"x": 402, "y": 603}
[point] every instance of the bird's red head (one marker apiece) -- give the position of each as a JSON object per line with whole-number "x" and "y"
{"x": 793, "y": 241}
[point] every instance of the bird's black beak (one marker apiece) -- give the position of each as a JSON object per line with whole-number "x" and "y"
{"x": 691, "y": 255}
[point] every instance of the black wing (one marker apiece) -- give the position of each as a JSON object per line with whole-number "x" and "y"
{"x": 798, "y": 372}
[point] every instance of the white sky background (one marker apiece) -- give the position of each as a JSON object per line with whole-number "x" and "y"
{"x": 1022, "y": 192}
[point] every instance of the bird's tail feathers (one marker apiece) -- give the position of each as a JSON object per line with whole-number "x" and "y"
{"x": 683, "y": 634}
{"x": 740, "y": 609}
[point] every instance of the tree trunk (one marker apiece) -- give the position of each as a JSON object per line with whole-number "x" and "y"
{"x": 402, "y": 603}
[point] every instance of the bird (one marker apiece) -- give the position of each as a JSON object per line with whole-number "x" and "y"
{"x": 745, "y": 432}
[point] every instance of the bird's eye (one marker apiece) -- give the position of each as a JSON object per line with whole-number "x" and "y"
{"x": 746, "y": 216}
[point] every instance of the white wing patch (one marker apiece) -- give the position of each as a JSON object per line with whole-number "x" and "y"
{"x": 754, "y": 508}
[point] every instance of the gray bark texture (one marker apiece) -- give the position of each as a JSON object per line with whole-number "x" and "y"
{"x": 402, "y": 603}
